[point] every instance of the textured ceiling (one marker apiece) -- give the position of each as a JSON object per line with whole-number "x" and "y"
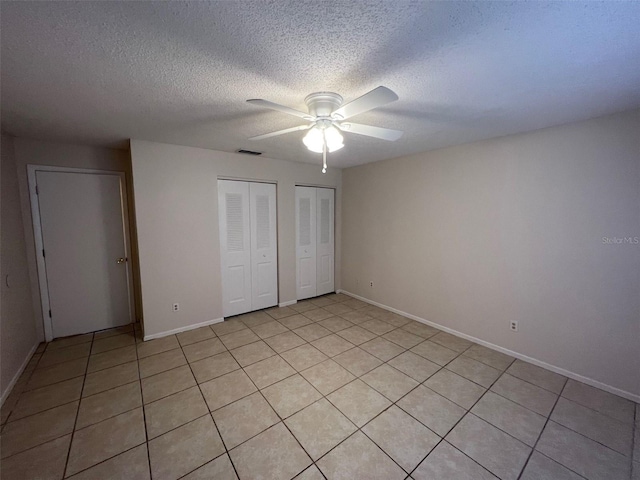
{"x": 100, "y": 73}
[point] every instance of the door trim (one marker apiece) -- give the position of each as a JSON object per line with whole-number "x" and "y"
{"x": 39, "y": 243}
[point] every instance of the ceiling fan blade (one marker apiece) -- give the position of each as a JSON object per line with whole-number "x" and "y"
{"x": 281, "y": 132}
{"x": 281, "y": 108}
{"x": 375, "y": 98}
{"x": 371, "y": 131}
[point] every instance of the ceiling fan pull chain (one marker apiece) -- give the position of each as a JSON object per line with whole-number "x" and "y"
{"x": 324, "y": 152}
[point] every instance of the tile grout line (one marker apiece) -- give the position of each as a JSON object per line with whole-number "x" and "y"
{"x": 75, "y": 422}
{"x": 443, "y": 438}
{"x": 144, "y": 410}
{"x": 533, "y": 449}
{"x": 210, "y": 413}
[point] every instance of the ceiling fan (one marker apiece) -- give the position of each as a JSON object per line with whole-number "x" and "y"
{"x": 327, "y": 117}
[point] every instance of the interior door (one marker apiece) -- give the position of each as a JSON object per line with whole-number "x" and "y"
{"x": 264, "y": 251}
{"x": 82, "y": 222}
{"x": 306, "y": 242}
{"x": 235, "y": 246}
{"x": 325, "y": 240}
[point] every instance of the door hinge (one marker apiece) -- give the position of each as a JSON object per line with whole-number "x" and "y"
{"x": 43, "y": 253}
{"x": 49, "y": 313}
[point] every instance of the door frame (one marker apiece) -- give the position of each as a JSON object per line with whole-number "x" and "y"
{"x": 39, "y": 242}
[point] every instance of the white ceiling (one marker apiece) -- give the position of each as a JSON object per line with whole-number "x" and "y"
{"x": 100, "y": 73}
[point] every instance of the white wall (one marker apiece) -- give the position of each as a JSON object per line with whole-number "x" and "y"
{"x": 474, "y": 236}
{"x": 176, "y": 203}
{"x": 18, "y": 336}
{"x": 62, "y": 155}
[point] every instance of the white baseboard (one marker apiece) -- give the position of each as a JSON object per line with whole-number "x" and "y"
{"x": 286, "y": 304}
{"x": 12, "y": 383}
{"x": 182, "y": 329}
{"x": 535, "y": 361}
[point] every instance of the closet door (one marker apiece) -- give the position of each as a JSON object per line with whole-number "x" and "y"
{"x": 325, "y": 242}
{"x": 306, "y": 242}
{"x": 235, "y": 246}
{"x": 264, "y": 252}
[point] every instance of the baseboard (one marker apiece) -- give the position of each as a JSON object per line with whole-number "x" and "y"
{"x": 14, "y": 380}
{"x": 589, "y": 381}
{"x": 182, "y": 329}
{"x": 286, "y": 304}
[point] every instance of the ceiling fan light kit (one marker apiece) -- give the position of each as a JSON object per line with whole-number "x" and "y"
{"x": 327, "y": 115}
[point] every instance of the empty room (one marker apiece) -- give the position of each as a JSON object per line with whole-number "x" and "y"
{"x": 340, "y": 240}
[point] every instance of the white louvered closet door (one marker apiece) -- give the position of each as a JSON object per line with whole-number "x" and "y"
{"x": 264, "y": 252}
{"x": 325, "y": 242}
{"x": 235, "y": 246}
{"x": 306, "y": 242}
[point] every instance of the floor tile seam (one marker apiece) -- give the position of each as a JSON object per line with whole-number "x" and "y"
{"x": 75, "y": 422}
{"x": 519, "y": 404}
{"x": 38, "y": 445}
{"x": 535, "y": 385}
{"x": 280, "y": 421}
{"x": 58, "y": 363}
{"x": 544, "y": 427}
{"x": 632, "y": 422}
{"x": 45, "y": 410}
{"x": 144, "y": 413}
{"x": 159, "y": 353}
{"x": 592, "y": 439}
{"x": 277, "y": 381}
{"x": 513, "y": 359}
{"x": 215, "y": 335}
{"x": 466, "y": 378}
{"x": 207, "y": 463}
{"x": 105, "y": 460}
{"x": 55, "y": 366}
{"x": 110, "y": 366}
{"x": 443, "y": 437}
{"x": 210, "y": 413}
{"x": 608, "y": 417}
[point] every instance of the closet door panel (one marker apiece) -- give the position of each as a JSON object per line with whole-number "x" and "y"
{"x": 306, "y": 262}
{"x": 264, "y": 252}
{"x": 325, "y": 240}
{"x": 235, "y": 246}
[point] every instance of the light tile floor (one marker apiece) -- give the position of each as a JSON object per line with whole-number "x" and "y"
{"x": 328, "y": 388}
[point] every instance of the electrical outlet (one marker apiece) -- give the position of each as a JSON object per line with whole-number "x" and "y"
{"x": 514, "y": 326}
{"x": 176, "y": 307}
{"x": 371, "y": 284}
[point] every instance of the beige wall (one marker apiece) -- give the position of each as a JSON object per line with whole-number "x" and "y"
{"x": 176, "y": 202}
{"x": 474, "y": 236}
{"x": 18, "y": 336}
{"x": 62, "y": 155}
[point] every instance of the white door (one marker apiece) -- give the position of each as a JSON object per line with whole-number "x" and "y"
{"x": 324, "y": 240}
{"x": 82, "y": 224}
{"x": 264, "y": 252}
{"x": 235, "y": 246}
{"x": 306, "y": 242}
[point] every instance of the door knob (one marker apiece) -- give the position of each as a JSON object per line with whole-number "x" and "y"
{"x": 121, "y": 260}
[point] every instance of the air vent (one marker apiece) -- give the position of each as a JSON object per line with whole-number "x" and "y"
{"x": 248, "y": 152}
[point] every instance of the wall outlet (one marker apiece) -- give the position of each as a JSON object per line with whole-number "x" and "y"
{"x": 176, "y": 307}
{"x": 513, "y": 326}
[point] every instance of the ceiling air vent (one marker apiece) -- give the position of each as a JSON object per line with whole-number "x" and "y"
{"x": 248, "y": 152}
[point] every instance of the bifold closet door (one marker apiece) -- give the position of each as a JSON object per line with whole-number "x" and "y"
{"x": 314, "y": 241}
{"x": 235, "y": 246}
{"x": 264, "y": 252}
{"x": 305, "y": 242}
{"x": 248, "y": 247}
{"x": 324, "y": 240}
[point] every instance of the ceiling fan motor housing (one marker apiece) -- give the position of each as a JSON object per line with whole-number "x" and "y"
{"x": 323, "y": 104}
